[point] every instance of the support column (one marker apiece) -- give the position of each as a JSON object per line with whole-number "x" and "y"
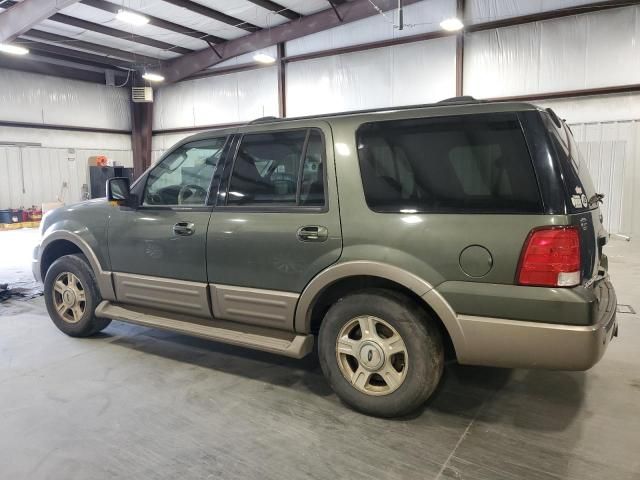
{"x": 141, "y": 129}
{"x": 460, "y": 50}
{"x": 282, "y": 78}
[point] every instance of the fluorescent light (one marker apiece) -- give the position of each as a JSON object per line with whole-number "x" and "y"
{"x": 452, "y": 24}
{"x": 132, "y": 17}
{"x": 13, "y": 49}
{"x": 263, "y": 58}
{"x": 153, "y": 77}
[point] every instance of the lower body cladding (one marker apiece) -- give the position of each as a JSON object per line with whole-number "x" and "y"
{"x": 263, "y": 320}
{"x": 524, "y": 344}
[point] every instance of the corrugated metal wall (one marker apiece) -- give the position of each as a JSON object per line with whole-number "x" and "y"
{"x": 611, "y": 151}
{"x": 34, "y": 175}
{"x": 32, "y": 98}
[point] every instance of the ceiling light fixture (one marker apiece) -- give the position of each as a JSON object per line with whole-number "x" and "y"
{"x": 13, "y": 49}
{"x": 153, "y": 77}
{"x": 261, "y": 57}
{"x": 132, "y": 17}
{"x": 452, "y": 24}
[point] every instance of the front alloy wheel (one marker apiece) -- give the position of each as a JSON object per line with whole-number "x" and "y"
{"x": 68, "y": 297}
{"x": 71, "y": 295}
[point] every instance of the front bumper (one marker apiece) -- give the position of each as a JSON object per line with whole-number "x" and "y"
{"x": 35, "y": 264}
{"x": 523, "y": 344}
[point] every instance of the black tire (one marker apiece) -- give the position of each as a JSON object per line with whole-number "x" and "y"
{"x": 422, "y": 339}
{"x": 88, "y": 324}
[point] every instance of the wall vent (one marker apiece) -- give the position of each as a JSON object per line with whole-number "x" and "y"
{"x": 142, "y": 94}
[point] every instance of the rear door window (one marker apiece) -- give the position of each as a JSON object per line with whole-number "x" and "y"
{"x": 472, "y": 163}
{"x": 279, "y": 168}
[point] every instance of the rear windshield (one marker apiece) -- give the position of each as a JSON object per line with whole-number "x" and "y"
{"x": 470, "y": 163}
{"x": 578, "y": 183}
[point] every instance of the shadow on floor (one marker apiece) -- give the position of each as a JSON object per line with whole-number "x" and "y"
{"x": 464, "y": 390}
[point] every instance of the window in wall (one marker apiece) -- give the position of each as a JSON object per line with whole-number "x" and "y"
{"x": 448, "y": 164}
{"x": 279, "y": 168}
{"x": 183, "y": 177}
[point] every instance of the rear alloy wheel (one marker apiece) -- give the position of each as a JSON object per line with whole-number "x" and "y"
{"x": 372, "y": 355}
{"x": 381, "y": 352}
{"x": 71, "y": 295}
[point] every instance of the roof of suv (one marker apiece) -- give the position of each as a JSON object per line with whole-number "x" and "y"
{"x": 455, "y": 105}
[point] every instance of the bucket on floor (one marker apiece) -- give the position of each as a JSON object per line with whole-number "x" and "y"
{"x": 16, "y": 215}
{"x": 5, "y": 216}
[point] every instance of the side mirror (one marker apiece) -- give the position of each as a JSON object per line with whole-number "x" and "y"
{"x": 118, "y": 190}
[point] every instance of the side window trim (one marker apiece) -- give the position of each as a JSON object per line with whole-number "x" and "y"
{"x": 207, "y": 205}
{"x": 220, "y": 202}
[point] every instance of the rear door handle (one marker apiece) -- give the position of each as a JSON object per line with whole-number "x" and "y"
{"x": 184, "y": 229}
{"x": 313, "y": 233}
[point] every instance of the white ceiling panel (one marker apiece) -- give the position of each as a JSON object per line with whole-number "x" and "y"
{"x": 108, "y": 19}
{"x": 247, "y": 11}
{"x": 182, "y": 16}
{"x": 305, "y": 7}
{"x": 75, "y": 34}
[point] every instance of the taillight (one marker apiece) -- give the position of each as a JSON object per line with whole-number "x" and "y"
{"x": 551, "y": 258}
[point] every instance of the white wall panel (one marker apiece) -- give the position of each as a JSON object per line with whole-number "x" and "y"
{"x": 32, "y": 98}
{"x": 65, "y": 139}
{"x": 219, "y": 99}
{"x": 420, "y": 72}
{"x": 584, "y": 51}
{"x": 33, "y": 175}
{"x": 479, "y": 11}
{"x": 419, "y": 18}
{"x": 612, "y": 153}
{"x": 602, "y": 108}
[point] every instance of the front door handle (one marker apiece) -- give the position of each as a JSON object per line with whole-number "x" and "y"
{"x": 313, "y": 233}
{"x": 184, "y": 229}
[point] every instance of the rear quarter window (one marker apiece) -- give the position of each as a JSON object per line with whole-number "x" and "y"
{"x": 471, "y": 163}
{"x": 577, "y": 179}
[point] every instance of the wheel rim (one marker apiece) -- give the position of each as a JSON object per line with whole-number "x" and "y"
{"x": 372, "y": 355}
{"x": 69, "y": 298}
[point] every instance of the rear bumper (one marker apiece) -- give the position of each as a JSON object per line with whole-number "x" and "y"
{"x": 523, "y": 344}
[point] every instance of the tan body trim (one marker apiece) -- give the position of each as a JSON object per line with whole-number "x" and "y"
{"x": 254, "y": 306}
{"x": 352, "y": 269}
{"x": 103, "y": 277}
{"x": 168, "y": 294}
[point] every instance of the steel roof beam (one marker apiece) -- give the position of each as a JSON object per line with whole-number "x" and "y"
{"x": 187, "y": 65}
{"x": 22, "y": 16}
{"x": 45, "y": 49}
{"x": 91, "y": 47}
{"x": 113, "y": 32}
{"x": 277, "y": 8}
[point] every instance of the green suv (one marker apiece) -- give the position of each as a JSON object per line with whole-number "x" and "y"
{"x": 397, "y": 238}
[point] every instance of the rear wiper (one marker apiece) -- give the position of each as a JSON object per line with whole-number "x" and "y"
{"x": 596, "y": 199}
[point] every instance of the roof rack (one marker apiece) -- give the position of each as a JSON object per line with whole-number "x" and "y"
{"x": 264, "y": 120}
{"x": 462, "y": 100}
{"x": 459, "y": 100}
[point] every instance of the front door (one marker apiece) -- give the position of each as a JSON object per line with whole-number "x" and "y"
{"x": 276, "y": 223}
{"x": 157, "y": 251}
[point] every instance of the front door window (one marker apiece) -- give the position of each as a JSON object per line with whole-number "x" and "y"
{"x": 184, "y": 176}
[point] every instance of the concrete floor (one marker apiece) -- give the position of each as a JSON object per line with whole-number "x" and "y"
{"x": 135, "y": 403}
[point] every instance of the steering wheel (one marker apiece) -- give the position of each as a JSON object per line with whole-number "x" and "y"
{"x": 195, "y": 194}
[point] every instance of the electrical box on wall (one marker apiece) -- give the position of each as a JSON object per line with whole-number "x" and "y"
{"x": 142, "y": 94}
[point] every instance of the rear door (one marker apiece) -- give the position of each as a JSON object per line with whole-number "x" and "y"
{"x": 276, "y": 223}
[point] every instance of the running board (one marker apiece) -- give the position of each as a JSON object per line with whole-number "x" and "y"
{"x": 257, "y": 338}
